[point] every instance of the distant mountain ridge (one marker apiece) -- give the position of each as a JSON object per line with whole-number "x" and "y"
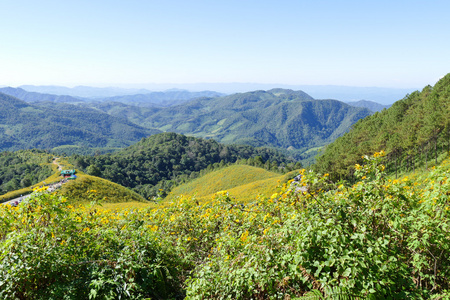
{"x": 33, "y": 97}
{"x": 156, "y": 99}
{"x": 161, "y": 99}
{"x": 47, "y": 125}
{"x": 83, "y": 91}
{"x": 135, "y": 96}
{"x": 343, "y": 93}
{"x": 373, "y": 106}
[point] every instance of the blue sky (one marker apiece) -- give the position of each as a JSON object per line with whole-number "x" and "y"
{"x": 401, "y": 44}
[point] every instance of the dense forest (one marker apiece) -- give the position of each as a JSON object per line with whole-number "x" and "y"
{"x": 412, "y": 131}
{"x": 154, "y": 165}
{"x": 23, "y": 168}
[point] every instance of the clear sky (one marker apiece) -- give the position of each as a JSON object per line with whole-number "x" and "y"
{"x": 384, "y": 43}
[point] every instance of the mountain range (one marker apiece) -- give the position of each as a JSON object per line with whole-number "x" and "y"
{"x": 48, "y": 125}
{"x": 280, "y": 118}
{"x": 157, "y": 99}
{"x": 344, "y": 93}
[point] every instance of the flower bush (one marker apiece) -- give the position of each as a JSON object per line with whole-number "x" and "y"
{"x": 380, "y": 238}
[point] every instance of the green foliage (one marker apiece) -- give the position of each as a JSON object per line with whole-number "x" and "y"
{"x": 413, "y": 131}
{"x": 22, "y": 169}
{"x": 164, "y": 160}
{"x": 376, "y": 239}
{"x": 51, "y": 250}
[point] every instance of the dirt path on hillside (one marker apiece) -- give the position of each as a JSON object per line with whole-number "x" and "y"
{"x": 56, "y": 162}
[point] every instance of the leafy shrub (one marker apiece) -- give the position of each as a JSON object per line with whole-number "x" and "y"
{"x": 52, "y": 250}
{"x": 377, "y": 239}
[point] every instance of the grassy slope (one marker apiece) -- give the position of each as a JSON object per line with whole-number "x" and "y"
{"x": 242, "y": 181}
{"x": 88, "y": 188}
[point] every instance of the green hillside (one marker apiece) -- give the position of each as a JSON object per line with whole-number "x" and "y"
{"x": 162, "y": 161}
{"x": 414, "y": 132}
{"x": 23, "y": 168}
{"x": 279, "y": 118}
{"x": 245, "y": 181}
{"x": 48, "y": 125}
{"x": 90, "y": 188}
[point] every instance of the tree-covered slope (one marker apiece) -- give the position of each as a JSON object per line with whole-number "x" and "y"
{"x": 157, "y": 163}
{"x": 48, "y": 125}
{"x": 411, "y": 131}
{"x": 23, "y": 168}
{"x": 277, "y": 118}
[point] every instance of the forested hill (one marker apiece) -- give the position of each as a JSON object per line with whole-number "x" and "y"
{"x": 276, "y": 118}
{"x": 163, "y": 160}
{"x": 25, "y": 126}
{"x": 412, "y": 131}
{"x": 23, "y": 168}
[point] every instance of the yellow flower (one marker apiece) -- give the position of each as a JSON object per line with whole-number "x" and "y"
{"x": 244, "y": 236}
{"x": 358, "y": 167}
{"x": 86, "y": 229}
{"x": 222, "y": 193}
